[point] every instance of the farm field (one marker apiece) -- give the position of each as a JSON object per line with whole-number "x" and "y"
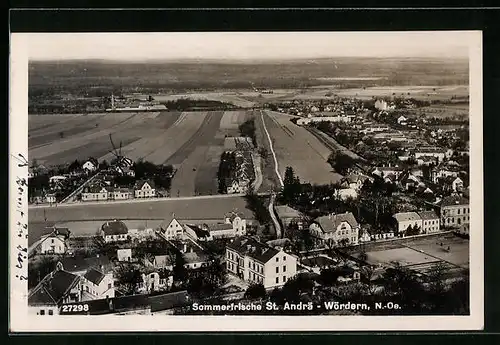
{"x": 210, "y": 208}
{"x": 226, "y": 97}
{"x": 88, "y": 135}
{"x": 298, "y": 148}
{"x": 230, "y": 122}
{"x": 418, "y": 92}
{"x": 444, "y": 111}
{"x": 405, "y": 256}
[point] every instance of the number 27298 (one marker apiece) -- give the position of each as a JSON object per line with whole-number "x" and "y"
{"x": 74, "y": 308}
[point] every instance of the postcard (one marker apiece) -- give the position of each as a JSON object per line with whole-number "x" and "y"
{"x": 246, "y": 181}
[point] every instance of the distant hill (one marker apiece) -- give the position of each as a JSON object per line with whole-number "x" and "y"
{"x": 210, "y": 74}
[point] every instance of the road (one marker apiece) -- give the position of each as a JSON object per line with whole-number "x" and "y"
{"x": 273, "y": 217}
{"x": 276, "y": 167}
{"x": 258, "y": 172}
{"x": 137, "y": 201}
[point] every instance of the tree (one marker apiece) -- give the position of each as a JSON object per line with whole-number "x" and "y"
{"x": 341, "y": 162}
{"x": 412, "y": 230}
{"x": 256, "y": 291}
{"x": 128, "y": 278}
{"x": 180, "y": 271}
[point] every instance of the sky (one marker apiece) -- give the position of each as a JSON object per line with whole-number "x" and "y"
{"x": 247, "y": 45}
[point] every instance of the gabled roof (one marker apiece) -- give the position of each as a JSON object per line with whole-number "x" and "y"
{"x": 139, "y": 184}
{"x": 79, "y": 263}
{"x": 426, "y": 215}
{"x": 53, "y": 288}
{"x": 220, "y": 226}
{"x": 253, "y": 248}
{"x": 53, "y": 231}
{"x": 94, "y": 276}
{"x": 115, "y": 227}
{"x": 167, "y": 221}
{"x": 330, "y": 223}
{"x": 199, "y": 231}
{"x": 406, "y": 216}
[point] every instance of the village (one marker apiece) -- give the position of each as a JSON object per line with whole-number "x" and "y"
{"x": 401, "y": 207}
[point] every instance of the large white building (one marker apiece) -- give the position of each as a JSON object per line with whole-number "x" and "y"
{"x": 256, "y": 262}
{"x": 336, "y": 229}
{"x": 407, "y": 219}
{"x": 114, "y": 231}
{"x": 97, "y": 285}
{"x": 54, "y": 241}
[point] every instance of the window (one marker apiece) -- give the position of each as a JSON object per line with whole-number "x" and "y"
{"x": 277, "y": 280}
{"x": 464, "y": 211}
{"x": 458, "y": 211}
{"x": 277, "y": 259}
{"x": 42, "y": 311}
{"x": 284, "y": 258}
{"x": 277, "y": 270}
{"x": 51, "y": 312}
{"x": 284, "y": 268}
{"x": 110, "y": 285}
{"x": 284, "y": 279}
{"x": 52, "y": 240}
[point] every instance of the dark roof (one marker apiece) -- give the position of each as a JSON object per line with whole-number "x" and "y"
{"x": 454, "y": 200}
{"x": 116, "y": 304}
{"x": 220, "y": 226}
{"x": 253, "y": 248}
{"x": 53, "y": 288}
{"x": 330, "y": 223}
{"x": 79, "y": 263}
{"x": 428, "y": 215}
{"x": 169, "y": 301}
{"x": 139, "y": 184}
{"x": 116, "y": 227}
{"x": 94, "y": 276}
{"x": 199, "y": 231}
{"x": 55, "y": 231}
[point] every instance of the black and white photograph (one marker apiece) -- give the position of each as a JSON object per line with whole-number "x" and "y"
{"x": 255, "y": 180}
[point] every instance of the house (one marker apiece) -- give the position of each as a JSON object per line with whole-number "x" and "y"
{"x": 402, "y": 120}
{"x": 430, "y": 222}
{"x": 408, "y": 181}
{"x": 56, "y": 288}
{"x": 144, "y": 189}
{"x": 195, "y": 259}
{"x": 336, "y": 229}
{"x": 384, "y": 171}
{"x": 444, "y": 171}
{"x": 427, "y": 160}
{"x": 124, "y": 254}
{"x": 96, "y": 193}
{"x": 454, "y": 211}
{"x": 124, "y": 171}
{"x": 121, "y": 194}
{"x": 90, "y": 165}
{"x": 114, "y": 231}
{"x": 156, "y": 281}
{"x": 364, "y": 236}
{"x": 171, "y": 228}
{"x": 54, "y": 241}
{"x": 37, "y": 197}
{"x": 97, "y": 285}
{"x": 236, "y": 186}
{"x": 256, "y": 262}
{"x": 80, "y": 264}
{"x": 346, "y": 193}
{"x": 406, "y": 219}
{"x": 197, "y": 233}
{"x": 236, "y": 220}
{"x": 57, "y": 179}
{"x": 435, "y": 152}
{"x": 51, "y": 197}
{"x": 220, "y": 230}
{"x": 287, "y": 215}
{"x": 453, "y": 184}
{"x": 163, "y": 262}
{"x": 354, "y": 181}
